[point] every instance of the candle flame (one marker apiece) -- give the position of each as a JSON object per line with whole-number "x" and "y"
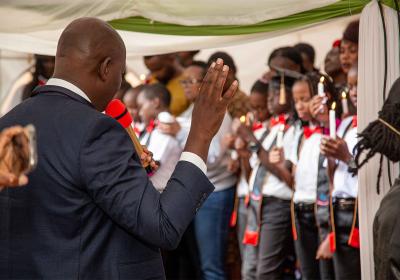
{"x": 142, "y": 77}
{"x": 333, "y": 107}
{"x": 243, "y": 119}
{"x": 322, "y": 79}
{"x": 344, "y": 95}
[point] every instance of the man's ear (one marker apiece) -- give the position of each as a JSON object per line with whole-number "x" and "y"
{"x": 104, "y": 68}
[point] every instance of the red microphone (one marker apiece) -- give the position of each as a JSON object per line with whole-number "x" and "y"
{"x": 117, "y": 110}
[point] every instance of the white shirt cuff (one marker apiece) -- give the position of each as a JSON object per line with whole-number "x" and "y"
{"x": 195, "y": 159}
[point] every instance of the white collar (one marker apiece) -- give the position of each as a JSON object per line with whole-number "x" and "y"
{"x": 67, "y": 85}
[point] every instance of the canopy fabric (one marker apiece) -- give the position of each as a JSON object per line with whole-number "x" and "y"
{"x": 137, "y": 43}
{"x": 250, "y": 58}
{"x": 285, "y": 22}
{"x": 158, "y": 26}
{"x": 39, "y": 26}
{"x": 55, "y": 14}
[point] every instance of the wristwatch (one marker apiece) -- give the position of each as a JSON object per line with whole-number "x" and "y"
{"x": 254, "y": 147}
{"x": 352, "y": 166}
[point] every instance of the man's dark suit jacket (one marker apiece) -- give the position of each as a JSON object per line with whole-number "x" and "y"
{"x": 89, "y": 210}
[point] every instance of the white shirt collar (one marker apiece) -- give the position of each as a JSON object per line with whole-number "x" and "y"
{"x": 67, "y": 85}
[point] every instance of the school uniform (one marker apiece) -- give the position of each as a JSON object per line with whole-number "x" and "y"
{"x": 310, "y": 202}
{"x": 346, "y": 257}
{"x": 239, "y": 217}
{"x": 166, "y": 151}
{"x": 270, "y": 233}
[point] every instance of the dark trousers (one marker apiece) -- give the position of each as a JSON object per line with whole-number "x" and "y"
{"x": 276, "y": 238}
{"x": 346, "y": 259}
{"x": 183, "y": 262}
{"x": 307, "y": 243}
{"x": 212, "y": 229}
{"x": 309, "y": 237}
{"x": 326, "y": 266}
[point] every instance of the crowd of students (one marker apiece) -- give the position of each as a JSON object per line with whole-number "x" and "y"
{"x": 282, "y": 163}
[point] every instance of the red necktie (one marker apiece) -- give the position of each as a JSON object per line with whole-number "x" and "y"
{"x": 354, "y": 123}
{"x": 308, "y": 132}
{"x": 151, "y": 126}
{"x": 257, "y": 126}
{"x": 281, "y": 119}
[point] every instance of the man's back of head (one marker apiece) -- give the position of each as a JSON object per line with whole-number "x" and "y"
{"x": 91, "y": 55}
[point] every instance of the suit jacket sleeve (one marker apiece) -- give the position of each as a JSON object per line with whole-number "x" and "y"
{"x": 117, "y": 183}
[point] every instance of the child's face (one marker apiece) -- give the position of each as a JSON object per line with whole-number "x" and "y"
{"x": 352, "y": 83}
{"x": 348, "y": 55}
{"x": 258, "y": 104}
{"x": 147, "y": 108}
{"x": 273, "y": 102}
{"x": 302, "y": 98}
{"x": 131, "y": 105}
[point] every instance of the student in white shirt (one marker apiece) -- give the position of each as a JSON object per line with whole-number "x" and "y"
{"x": 346, "y": 258}
{"x": 310, "y": 206}
{"x": 246, "y": 159}
{"x": 152, "y": 101}
{"x": 268, "y": 221}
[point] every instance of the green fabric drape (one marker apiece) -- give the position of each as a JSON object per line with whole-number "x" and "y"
{"x": 339, "y": 9}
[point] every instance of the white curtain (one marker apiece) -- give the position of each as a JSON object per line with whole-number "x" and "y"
{"x": 137, "y": 44}
{"x": 370, "y": 101}
{"x": 18, "y": 16}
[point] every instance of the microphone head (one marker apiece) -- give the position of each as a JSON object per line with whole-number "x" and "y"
{"x": 117, "y": 110}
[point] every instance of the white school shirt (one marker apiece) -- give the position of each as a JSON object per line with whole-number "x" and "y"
{"x": 218, "y": 156}
{"x": 185, "y": 156}
{"x": 272, "y": 185}
{"x": 243, "y": 184}
{"x": 306, "y": 175}
{"x": 167, "y": 151}
{"x": 344, "y": 184}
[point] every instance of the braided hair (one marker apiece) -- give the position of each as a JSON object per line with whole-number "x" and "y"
{"x": 378, "y": 137}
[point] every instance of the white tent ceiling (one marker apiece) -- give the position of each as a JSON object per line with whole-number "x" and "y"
{"x": 56, "y": 14}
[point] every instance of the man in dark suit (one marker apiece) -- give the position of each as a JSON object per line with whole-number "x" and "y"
{"x": 89, "y": 210}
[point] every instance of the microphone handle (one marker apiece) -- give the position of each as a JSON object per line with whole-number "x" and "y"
{"x": 136, "y": 143}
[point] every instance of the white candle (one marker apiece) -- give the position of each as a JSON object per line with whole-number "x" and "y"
{"x": 234, "y": 155}
{"x": 345, "y": 106}
{"x": 321, "y": 89}
{"x": 332, "y": 121}
{"x": 279, "y": 137}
